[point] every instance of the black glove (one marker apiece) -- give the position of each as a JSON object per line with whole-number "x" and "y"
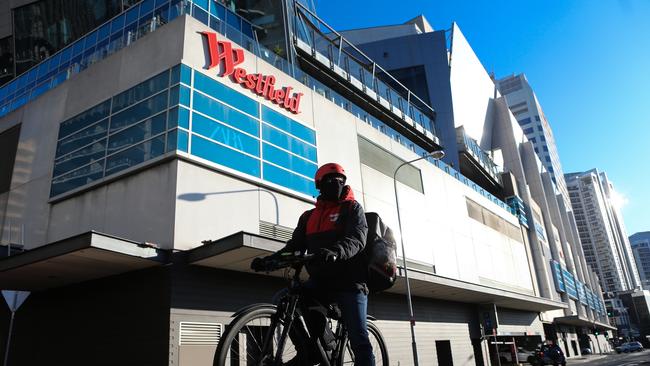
{"x": 326, "y": 256}
{"x": 259, "y": 264}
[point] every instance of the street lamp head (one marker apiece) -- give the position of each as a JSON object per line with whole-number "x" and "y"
{"x": 438, "y": 154}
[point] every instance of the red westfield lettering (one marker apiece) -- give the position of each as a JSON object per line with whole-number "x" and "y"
{"x": 222, "y": 52}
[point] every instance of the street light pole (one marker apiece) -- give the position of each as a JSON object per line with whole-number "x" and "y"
{"x": 438, "y": 154}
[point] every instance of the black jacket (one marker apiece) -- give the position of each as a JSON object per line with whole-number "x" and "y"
{"x": 341, "y": 227}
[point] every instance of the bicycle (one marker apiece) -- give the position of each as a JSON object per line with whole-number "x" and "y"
{"x": 259, "y": 333}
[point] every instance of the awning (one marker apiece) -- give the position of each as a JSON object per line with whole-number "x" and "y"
{"x": 581, "y": 321}
{"x": 236, "y": 251}
{"x": 84, "y": 257}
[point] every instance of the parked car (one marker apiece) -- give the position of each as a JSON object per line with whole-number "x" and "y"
{"x": 629, "y": 347}
{"x": 586, "y": 351}
{"x": 522, "y": 355}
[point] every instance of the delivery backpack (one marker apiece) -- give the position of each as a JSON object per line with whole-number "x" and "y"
{"x": 380, "y": 253}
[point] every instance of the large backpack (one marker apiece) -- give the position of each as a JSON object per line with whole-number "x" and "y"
{"x": 380, "y": 253}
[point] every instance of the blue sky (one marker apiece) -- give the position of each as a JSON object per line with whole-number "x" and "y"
{"x": 588, "y": 62}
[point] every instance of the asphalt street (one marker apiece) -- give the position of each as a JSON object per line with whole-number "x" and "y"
{"x": 623, "y": 359}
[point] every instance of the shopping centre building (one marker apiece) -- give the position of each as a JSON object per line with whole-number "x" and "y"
{"x": 146, "y": 163}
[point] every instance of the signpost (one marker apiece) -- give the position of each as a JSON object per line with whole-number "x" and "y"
{"x": 14, "y": 299}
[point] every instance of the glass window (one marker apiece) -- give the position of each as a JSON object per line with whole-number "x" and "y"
{"x": 224, "y": 134}
{"x": 184, "y": 95}
{"x": 139, "y": 111}
{"x": 221, "y": 92}
{"x": 218, "y": 10}
{"x": 287, "y": 142}
{"x": 179, "y": 116}
{"x": 6, "y": 59}
{"x": 177, "y": 140}
{"x": 529, "y": 130}
{"x": 524, "y": 121}
{"x": 140, "y": 132}
{"x": 135, "y": 155}
{"x": 288, "y": 125}
{"x": 78, "y": 178}
{"x": 82, "y": 138}
{"x": 287, "y": 179}
{"x": 223, "y": 113}
{"x": 200, "y": 15}
{"x": 141, "y": 91}
{"x": 202, "y": 3}
{"x": 79, "y": 158}
{"x": 227, "y": 157}
{"x": 289, "y": 161}
{"x": 84, "y": 119}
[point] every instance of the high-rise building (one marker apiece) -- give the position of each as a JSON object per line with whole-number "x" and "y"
{"x": 526, "y": 108}
{"x": 484, "y": 141}
{"x": 640, "y": 243}
{"x": 602, "y": 232}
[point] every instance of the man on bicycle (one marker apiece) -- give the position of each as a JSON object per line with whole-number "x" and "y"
{"x": 335, "y": 231}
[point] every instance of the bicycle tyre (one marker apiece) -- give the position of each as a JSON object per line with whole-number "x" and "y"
{"x": 379, "y": 348}
{"x": 254, "y": 324}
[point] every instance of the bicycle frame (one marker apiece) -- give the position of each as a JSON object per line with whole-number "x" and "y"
{"x": 286, "y": 315}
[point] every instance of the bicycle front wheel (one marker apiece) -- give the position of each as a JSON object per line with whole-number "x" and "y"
{"x": 379, "y": 349}
{"x": 253, "y": 338}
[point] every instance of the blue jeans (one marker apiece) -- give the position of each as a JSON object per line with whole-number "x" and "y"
{"x": 354, "y": 309}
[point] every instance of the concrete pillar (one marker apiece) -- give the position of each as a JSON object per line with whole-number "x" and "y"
{"x": 531, "y": 170}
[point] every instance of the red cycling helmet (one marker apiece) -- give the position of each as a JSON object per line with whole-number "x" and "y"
{"x": 329, "y": 168}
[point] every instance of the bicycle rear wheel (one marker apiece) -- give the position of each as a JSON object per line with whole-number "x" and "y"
{"x": 243, "y": 341}
{"x": 379, "y": 349}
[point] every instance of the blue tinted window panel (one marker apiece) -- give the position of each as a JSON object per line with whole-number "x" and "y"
{"x": 141, "y": 91}
{"x": 135, "y": 155}
{"x": 218, "y": 10}
{"x": 146, "y": 6}
{"x": 132, "y": 15}
{"x": 289, "y": 161}
{"x": 557, "y": 276}
{"x": 139, "y": 111}
{"x": 117, "y": 24}
{"x": 186, "y": 75}
{"x": 140, "y": 132}
{"x": 233, "y": 20}
{"x": 183, "y": 140}
{"x": 172, "y": 140}
{"x": 288, "y": 125}
{"x": 184, "y": 96}
{"x": 175, "y": 75}
{"x": 104, "y": 31}
{"x": 84, "y": 119}
{"x": 289, "y": 180}
{"x": 224, "y": 156}
{"x": 179, "y": 116}
{"x": 82, "y": 138}
{"x": 287, "y": 142}
{"x": 78, "y": 178}
{"x": 200, "y": 15}
{"x": 221, "y": 92}
{"x": 79, "y": 158}
{"x": 569, "y": 284}
{"x": 225, "y": 114}
{"x": 202, "y": 3}
{"x": 224, "y": 134}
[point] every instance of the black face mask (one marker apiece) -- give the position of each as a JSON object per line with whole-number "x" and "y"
{"x": 331, "y": 189}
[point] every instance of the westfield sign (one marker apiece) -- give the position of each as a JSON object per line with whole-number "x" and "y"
{"x": 222, "y": 52}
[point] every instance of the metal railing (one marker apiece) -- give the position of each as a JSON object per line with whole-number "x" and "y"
{"x": 359, "y": 68}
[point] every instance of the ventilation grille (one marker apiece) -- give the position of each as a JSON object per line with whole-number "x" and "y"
{"x": 275, "y": 231}
{"x": 200, "y": 334}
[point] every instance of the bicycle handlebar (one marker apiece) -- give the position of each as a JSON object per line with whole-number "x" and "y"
{"x": 284, "y": 260}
